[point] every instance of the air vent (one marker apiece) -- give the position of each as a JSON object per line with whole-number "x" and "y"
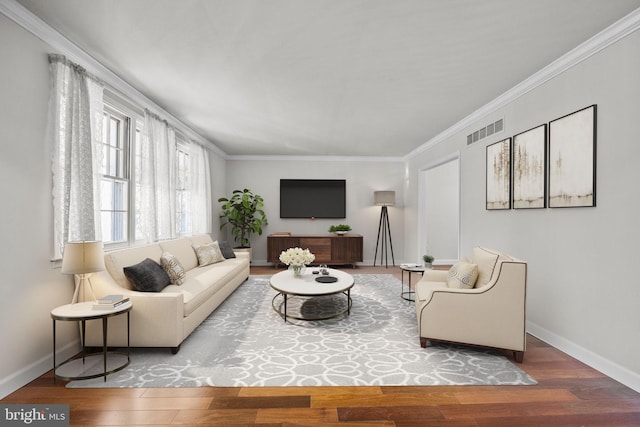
{"x": 486, "y": 131}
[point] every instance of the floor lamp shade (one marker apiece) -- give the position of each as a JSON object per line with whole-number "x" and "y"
{"x": 82, "y": 259}
{"x": 384, "y": 198}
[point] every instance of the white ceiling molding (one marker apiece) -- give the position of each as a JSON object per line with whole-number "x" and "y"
{"x": 266, "y": 158}
{"x": 27, "y": 20}
{"x": 615, "y": 32}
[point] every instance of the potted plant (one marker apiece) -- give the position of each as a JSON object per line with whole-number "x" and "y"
{"x": 243, "y": 211}
{"x": 339, "y": 229}
{"x": 428, "y": 260}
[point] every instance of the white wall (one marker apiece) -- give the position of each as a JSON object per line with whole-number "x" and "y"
{"x": 30, "y": 286}
{"x": 363, "y": 178}
{"x": 583, "y": 294}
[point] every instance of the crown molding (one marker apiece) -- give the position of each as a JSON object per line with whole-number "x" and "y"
{"x": 275, "y": 158}
{"x": 36, "y": 26}
{"x": 605, "y": 38}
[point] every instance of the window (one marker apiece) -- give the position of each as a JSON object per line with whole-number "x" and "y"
{"x": 121, "y": 165}
{"x": 114, "y": 187}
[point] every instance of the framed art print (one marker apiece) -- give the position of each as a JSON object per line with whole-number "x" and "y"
{"x": 529, "y": 168}
{"x": 499, "y": 175}
{"x": 572, "y": 160}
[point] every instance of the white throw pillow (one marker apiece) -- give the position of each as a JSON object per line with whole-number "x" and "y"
{"x": 462, "y": 275}
{"x": 174, "y": 268}
{"x": 208, "y": 254}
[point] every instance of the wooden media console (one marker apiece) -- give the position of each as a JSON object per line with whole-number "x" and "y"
{"x": 328, "y": 248}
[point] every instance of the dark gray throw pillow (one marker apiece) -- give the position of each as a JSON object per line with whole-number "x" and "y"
{"x": 227, "y": 251}
{"x": 147, "y": 276}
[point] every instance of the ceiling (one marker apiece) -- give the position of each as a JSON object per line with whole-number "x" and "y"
{"x": 325, "y": 77}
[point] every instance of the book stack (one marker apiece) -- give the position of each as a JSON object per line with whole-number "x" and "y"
{"x": 110, "y": 302}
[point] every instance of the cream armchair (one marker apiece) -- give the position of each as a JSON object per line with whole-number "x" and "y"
{"x": 490, "y": 314}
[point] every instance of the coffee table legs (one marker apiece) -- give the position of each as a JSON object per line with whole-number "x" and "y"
{"x": 282, "y": 308}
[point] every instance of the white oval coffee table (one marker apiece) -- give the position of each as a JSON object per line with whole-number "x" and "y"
{"x": 306, "y": 286}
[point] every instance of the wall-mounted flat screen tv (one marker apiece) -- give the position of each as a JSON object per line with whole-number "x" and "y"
{"x": 313, "y": 198}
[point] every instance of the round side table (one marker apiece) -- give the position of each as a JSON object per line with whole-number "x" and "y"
{"x": 409, "y": 268}
{"x": 81, "y": 312}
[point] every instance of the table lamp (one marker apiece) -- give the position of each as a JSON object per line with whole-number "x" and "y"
{"x": 82, "y": 259}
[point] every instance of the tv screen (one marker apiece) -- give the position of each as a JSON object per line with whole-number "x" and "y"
{"x": 313, "y": 198}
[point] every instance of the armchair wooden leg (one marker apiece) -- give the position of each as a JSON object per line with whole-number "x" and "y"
{"x": 518, "y": 356}
{"x": 424, "y": 342}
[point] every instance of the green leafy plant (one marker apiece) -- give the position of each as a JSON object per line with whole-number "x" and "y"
{"x": 243, "y": 211}
{"x": 427, "y": 258}
{"x": 339, "y": 227}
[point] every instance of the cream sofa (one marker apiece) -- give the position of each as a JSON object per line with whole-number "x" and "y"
{"x": 490, "y": 314}
{"x": 165, "y": 318}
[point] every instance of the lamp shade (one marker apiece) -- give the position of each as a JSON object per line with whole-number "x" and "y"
{"x": 384, "y": 198}
{"x": 82, "y": 258}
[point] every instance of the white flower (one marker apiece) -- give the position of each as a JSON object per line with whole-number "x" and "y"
{"x": 297, "y": 256}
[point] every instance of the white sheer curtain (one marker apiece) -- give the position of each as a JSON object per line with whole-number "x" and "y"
{"x": 157, "y": 180}
{"x": 200, "y": 189}
{"x": 75, "y": 125}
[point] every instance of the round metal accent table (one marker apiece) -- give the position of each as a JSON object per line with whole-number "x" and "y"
{"x": 411, "y": 268}
{"x": 82, "y": 312}
{"x": 306, "y": 286}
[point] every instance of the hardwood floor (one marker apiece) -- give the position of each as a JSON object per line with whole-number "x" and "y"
{"x": 568, "y": 393}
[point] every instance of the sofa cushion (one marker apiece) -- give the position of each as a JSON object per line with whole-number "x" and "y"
{"x": 147, "y": 276}
{"x": 462, "y": 275}
{"x": 227, "y": 250}
{"x": 486, "y": 260}
{"x": 201, "y": 283}
{"x": 174, "y": 268}
{"x": 182, "y": 250}
{"x": 208, "y": 254}
{"x": 200, "y": 239}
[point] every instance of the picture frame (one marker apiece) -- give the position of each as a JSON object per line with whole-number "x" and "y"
{"x": 498, "y": 175}
{"x": 572, "y": 159}
{"x": 530, "y": 169}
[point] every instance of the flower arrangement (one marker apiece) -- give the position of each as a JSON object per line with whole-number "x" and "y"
{"x": 297, "y": 256}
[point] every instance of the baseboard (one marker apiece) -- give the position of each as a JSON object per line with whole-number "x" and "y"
{"x": 29, "y": 373}
{"x": 611, "y": 369}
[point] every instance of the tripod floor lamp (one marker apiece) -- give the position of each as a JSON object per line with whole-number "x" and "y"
{"x": 384, "y": 199}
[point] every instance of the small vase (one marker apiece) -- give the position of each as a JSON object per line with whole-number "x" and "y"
{"x": 298, "y": 269}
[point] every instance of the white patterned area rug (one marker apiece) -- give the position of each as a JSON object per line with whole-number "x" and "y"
{"x": 246, "y": 343}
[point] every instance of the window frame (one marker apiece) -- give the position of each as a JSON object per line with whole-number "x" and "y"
{"x": 134, "y": 123}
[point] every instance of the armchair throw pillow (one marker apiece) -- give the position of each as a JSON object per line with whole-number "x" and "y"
{"x": 486, "y": 261}
{"x": 462, "y": 275}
